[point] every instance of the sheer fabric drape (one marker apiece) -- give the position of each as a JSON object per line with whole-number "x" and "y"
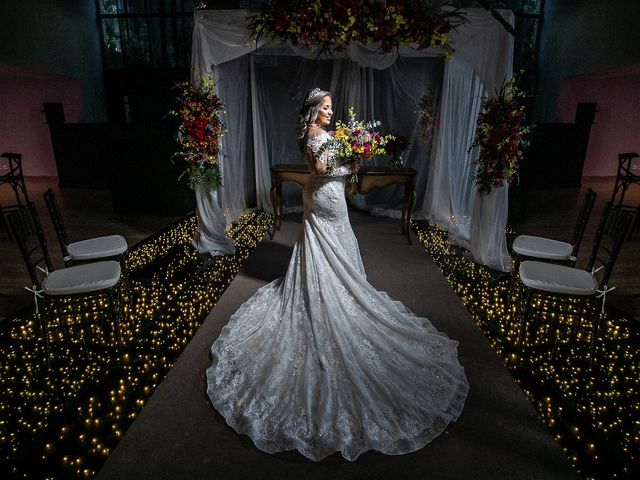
{"x": 475, "y": 221}
{"x": 391, "y": 95}
{"x": 210, "y": 237}
{"x": 451, "y": 191}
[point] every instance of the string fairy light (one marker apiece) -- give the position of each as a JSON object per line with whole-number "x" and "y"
{"x": 594, "y": 413}
{"x": 79, "y": 409}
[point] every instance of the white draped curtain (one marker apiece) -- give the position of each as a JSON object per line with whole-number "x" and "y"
{"x": 451, "y": 190}
{"x": 263, "y": 85}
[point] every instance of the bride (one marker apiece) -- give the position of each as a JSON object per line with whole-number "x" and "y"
{"x": 320, "y": 361}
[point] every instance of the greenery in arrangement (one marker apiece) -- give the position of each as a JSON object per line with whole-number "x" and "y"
{"x": 201, "y": 128}
{"x": 500, "y": 135}
{"x": 331, "y": 25}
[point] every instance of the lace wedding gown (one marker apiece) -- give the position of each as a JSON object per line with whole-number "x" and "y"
{"x": 319, "y": 361}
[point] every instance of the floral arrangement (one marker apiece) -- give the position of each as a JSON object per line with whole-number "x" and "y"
{"x": 500, "y": 135}
{"x": 355, "y": 140}
{"x": 427, "y": 118}
{"x": 395, "y": 147}
{"x": 331, "y": 25}
{"x": 201, "y": 128}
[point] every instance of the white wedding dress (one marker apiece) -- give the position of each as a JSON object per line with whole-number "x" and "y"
{"x": 319, "y": 361}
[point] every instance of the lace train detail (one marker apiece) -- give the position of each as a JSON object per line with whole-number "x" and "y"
{"x": 320, "y": 361}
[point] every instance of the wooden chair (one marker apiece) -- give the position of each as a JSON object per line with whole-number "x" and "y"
{"x": 562, "y": 291}
{"x": 71, "y": 296}
{"x": 97, "y": 248}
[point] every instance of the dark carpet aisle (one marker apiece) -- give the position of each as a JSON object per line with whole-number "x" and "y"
{"x": 178, "y": 435}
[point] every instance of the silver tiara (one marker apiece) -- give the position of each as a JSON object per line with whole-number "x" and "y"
{"x": 313, "y": 93}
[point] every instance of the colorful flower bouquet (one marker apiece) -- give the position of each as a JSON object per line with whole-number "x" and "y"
{"x": 353, "y": 141}
{"x": 199, "y": 133}
{"x": 331, "y": 25}
{"x": 500, "y": 135}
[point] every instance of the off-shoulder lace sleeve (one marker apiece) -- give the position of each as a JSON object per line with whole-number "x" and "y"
{"x": 320, "y": 152}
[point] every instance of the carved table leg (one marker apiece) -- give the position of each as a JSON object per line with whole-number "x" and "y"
{"x": 407, "y": 210}
{"x": 276, "y": 211}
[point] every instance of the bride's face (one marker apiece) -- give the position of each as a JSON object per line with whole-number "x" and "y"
{"x": 324, "y": 112}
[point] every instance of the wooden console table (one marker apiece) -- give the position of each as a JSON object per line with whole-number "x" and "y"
{"x": 369, "y": 179}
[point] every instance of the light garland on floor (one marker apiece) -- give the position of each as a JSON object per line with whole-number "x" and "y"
{"x": 594, "y": 413}
{"x": 78, "y": 411}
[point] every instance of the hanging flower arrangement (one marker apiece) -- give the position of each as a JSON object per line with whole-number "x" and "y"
{"x": 427, "y": 118}
{"x": 500, "y": 134}
{"x": 331, "y": 25}
{"x": 201, "y": 128}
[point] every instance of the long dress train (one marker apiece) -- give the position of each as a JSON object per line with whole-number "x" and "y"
{"x": 320, "y": 361}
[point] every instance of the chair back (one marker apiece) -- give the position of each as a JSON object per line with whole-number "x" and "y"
{"x": 57, "y": 220}
{"x": 628, "y": 164}
{"x": 27, "y": 230}
{"x": 582, "y": 220}
{"x": 628, "y": 169}
{"x": 14, "y": 177}
{"x": 610, "y": 235}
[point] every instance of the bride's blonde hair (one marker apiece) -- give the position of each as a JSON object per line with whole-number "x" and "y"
{"x": 308, "y": 113}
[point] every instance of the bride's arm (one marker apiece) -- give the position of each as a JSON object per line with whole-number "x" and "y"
{"x": 321, "y": 159}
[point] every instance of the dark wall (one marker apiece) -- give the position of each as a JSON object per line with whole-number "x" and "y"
{"x": 58, "y": 37}
{"x": 132, "y": 160}
{"x": 583, "y": 36}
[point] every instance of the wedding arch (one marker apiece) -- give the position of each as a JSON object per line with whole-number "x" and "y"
{"x": 262, "y": 84}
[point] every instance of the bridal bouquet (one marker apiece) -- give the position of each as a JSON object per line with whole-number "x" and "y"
{"x": 199, "y": 133}
{"x": 353, "y": 141}
{"x": 500, "y": 135}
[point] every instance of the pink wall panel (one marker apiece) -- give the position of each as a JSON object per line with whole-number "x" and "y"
{"x": 22, "y": 121}
{"x": 617, "y": 122}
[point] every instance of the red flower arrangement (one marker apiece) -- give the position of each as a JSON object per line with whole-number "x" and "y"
{"x": 199, "y": 133}
{"x": 396, "y": 145}
{"x": 331, "y": 25}
{"x": 500, "y": 135}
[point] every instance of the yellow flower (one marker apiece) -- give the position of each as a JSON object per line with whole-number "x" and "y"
{"x": 438, "y": 39}
{"x": 399, "y": 19}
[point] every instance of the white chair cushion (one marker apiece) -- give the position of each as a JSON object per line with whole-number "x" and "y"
{"x": 85, "y": 278}
{"x": 99, "y": 247}
{"x": 539, "y": 247}
{"x": 551, "y": 277}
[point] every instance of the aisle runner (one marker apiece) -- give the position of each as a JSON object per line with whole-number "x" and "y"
{"x": 180, "y": 435}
